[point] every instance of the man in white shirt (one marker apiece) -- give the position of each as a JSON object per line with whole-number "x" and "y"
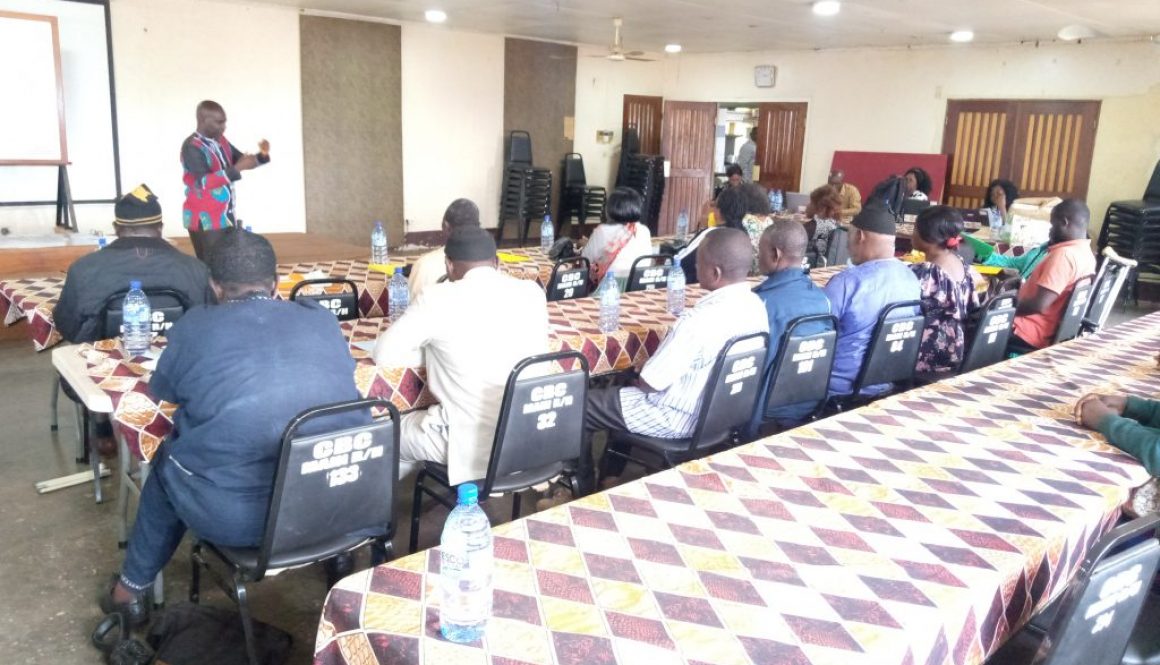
{"x": 469, "y": 332}
{"x": 429, "y": 268}
{"x": 747, "y": 156}
{"x": 666, "y": 400}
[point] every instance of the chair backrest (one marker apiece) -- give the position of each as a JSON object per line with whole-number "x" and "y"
{"x": 649, "y": 272}
{"x": 541, "y": 421}
{"x": 574, "y": 170}
{"x": 731, "y": 391}
{"x": 801, "y": 371}
{"x": 1152, "y": 191}
{"x": 569, "y": 279}
{"x": 343, "y": 305}
{"x": 1101, "y": 604}
{"x": 893, "y": 350}
{"x": 988, "y": 344}
{"x": 519, "y": 147}
{"x": 166, "y": 306}
{"x": 333, "y": 490}
{"x": 837, "y": 248}
{"x": 1111, "y": 277}
{"x": 1072, "y": 319}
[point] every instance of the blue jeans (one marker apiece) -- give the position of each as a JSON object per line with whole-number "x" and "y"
{"x": 174, "y": 500}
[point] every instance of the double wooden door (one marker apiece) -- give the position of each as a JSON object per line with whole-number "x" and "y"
{"x": 1044, "y": 147}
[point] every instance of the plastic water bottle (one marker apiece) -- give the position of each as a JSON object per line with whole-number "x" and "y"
{"x": 995, "y": 221}
{"x": 102, "y": 242}
{"x": 398, "y": 295}
{"x": 778, "y": 201}
{"x": 379, "y": 244}
{"x": 676, "y": 290}
{"x": 609, "y": 303}
{"x": 683, "y": 224}
{"x": 136, "y": 320}
{"x": 465, "y": 568}
{"x": 547, "y": 233}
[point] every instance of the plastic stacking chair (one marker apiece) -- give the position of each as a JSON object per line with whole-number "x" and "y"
{"x": 726, "y": 407}
{"x": 539, "y": 434}
{"x": 800, "y": 373}
{"x": 344, "y": 305}
{"x": 316, "y": 512}
{"x": 891, "y": 356}
{"x": 649, "y": 272}
{"x": 569, "y": 279}
{"x": 988, "y": 344}
{"x": 1073, "y": 314}
{"x": 1109, "y": 282}
{"x": 1092, "y": 622}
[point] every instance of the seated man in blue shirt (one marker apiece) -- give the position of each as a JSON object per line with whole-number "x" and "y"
{"x": 788, "y": 294}
{"x": 859, "y": 294}
{"x": 215, "y": 473}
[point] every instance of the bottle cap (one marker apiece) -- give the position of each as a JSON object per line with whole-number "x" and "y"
{"x": 135, "y": 284}
{"x": 398, "y": 270}
{"x": 468, "y": 494}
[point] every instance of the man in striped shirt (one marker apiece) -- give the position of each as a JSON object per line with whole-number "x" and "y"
{"x": 667, "y": 397}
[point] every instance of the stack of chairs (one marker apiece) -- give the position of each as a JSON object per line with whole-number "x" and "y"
{"x": 577, "y": 200}
{"x": 646, "y": 174}
{"x": 526, "y": 191}
{"x": 1132, "y": 229}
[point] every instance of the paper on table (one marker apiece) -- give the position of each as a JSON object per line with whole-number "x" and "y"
{"x": 508, "y": 257}
{"x": 368, "y": 345}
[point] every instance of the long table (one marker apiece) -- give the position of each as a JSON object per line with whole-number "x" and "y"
{"x": 924, "y": 528}
{"x": 143, "y": 422}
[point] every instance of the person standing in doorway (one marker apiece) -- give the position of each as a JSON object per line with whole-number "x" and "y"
{"x": 211, "y": 165}
{"x": 747, "y": 156}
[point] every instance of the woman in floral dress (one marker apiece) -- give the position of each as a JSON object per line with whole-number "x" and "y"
{"x": 948, "y": 290}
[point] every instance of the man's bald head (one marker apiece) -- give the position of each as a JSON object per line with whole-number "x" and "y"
{"x": 724, "y": 257}
{"x": 782, "y": 246}
{"x": 1069, "y": 221}
{"x": 211, "y": 119}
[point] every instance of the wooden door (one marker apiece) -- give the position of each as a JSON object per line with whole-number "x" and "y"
{"x": 1054, "y": 142}
{"x": 979, "y": 138}
{"x": 1044, "y": 147}
{"x": 688, "y": 135}
{"x": 781, "y": 139}
{"x": 644, "y": 113}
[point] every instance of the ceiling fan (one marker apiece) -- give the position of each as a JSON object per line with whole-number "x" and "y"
{"x": 616, "y": 51}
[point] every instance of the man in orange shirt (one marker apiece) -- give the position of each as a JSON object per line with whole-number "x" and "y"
{"x": 1044, "y": 295}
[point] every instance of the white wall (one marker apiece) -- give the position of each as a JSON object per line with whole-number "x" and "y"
{"x": 452, "y": 95}
{"x": 601, "y": 85}
{"x": 895, "y": 100}
{"x": 171, "y": 54}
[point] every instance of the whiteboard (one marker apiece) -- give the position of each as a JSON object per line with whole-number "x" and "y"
{"x": 32, "y": 128}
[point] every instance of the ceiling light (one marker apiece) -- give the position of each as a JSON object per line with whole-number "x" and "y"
{"x": 962, "y": 36}
{"x": 672, "y": 48}
{"x": 1072, "y": 33}
{"x": 435, "y": 15}
{"x": 827, "y": 7}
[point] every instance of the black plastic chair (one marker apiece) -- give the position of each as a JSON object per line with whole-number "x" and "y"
{"x": 166, "y": 305}
{"x": 321, "y": 505}
{"x": 539, "y": 434}
{"x": 837, "y": 248}
{"x": 1073, "y": 313}
{"x": 727, "y": 404}
{"x": 344, "y": 306}
{"x": 1093, "y": 620}
{"x": 649, "y": 272}
{"x": 1109, "y": 282}
{"x": 988, "y": 344}
{"x": 519, "y": 147}
{"x": 569, "y": 279}
{"x": 801, "y": 371}
{"x": 891, "y": 356}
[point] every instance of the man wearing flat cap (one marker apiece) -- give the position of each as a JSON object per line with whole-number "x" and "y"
{"x": 469, "y": 332}
{"x": 138, "y": 253}
{"x": 859, "y": 293}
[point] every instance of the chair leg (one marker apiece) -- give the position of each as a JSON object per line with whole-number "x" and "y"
{"x": 54, "y": 399}
{"x": 381, "y": 552}
{"x": 124, "y": 479}
{"x": 416, "y": 502}
{"x": 91, "y": 455}
{"x": 515, "y": 506}
{"x": 247, "y": 624}
{"x": 79, "y": 412}
{"x": 195, "y": 573}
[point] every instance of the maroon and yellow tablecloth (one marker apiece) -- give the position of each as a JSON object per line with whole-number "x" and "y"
{"x": 924, "y": 528}
{"x": 32, "y": 299}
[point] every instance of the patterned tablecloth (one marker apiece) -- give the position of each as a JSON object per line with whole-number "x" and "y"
{"x": 924, "y": 528}
{"x": 32, "y": 299}
{"x": 574, "y": 325}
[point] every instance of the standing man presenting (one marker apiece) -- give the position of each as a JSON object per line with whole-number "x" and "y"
{"x": 212, "y": 164}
